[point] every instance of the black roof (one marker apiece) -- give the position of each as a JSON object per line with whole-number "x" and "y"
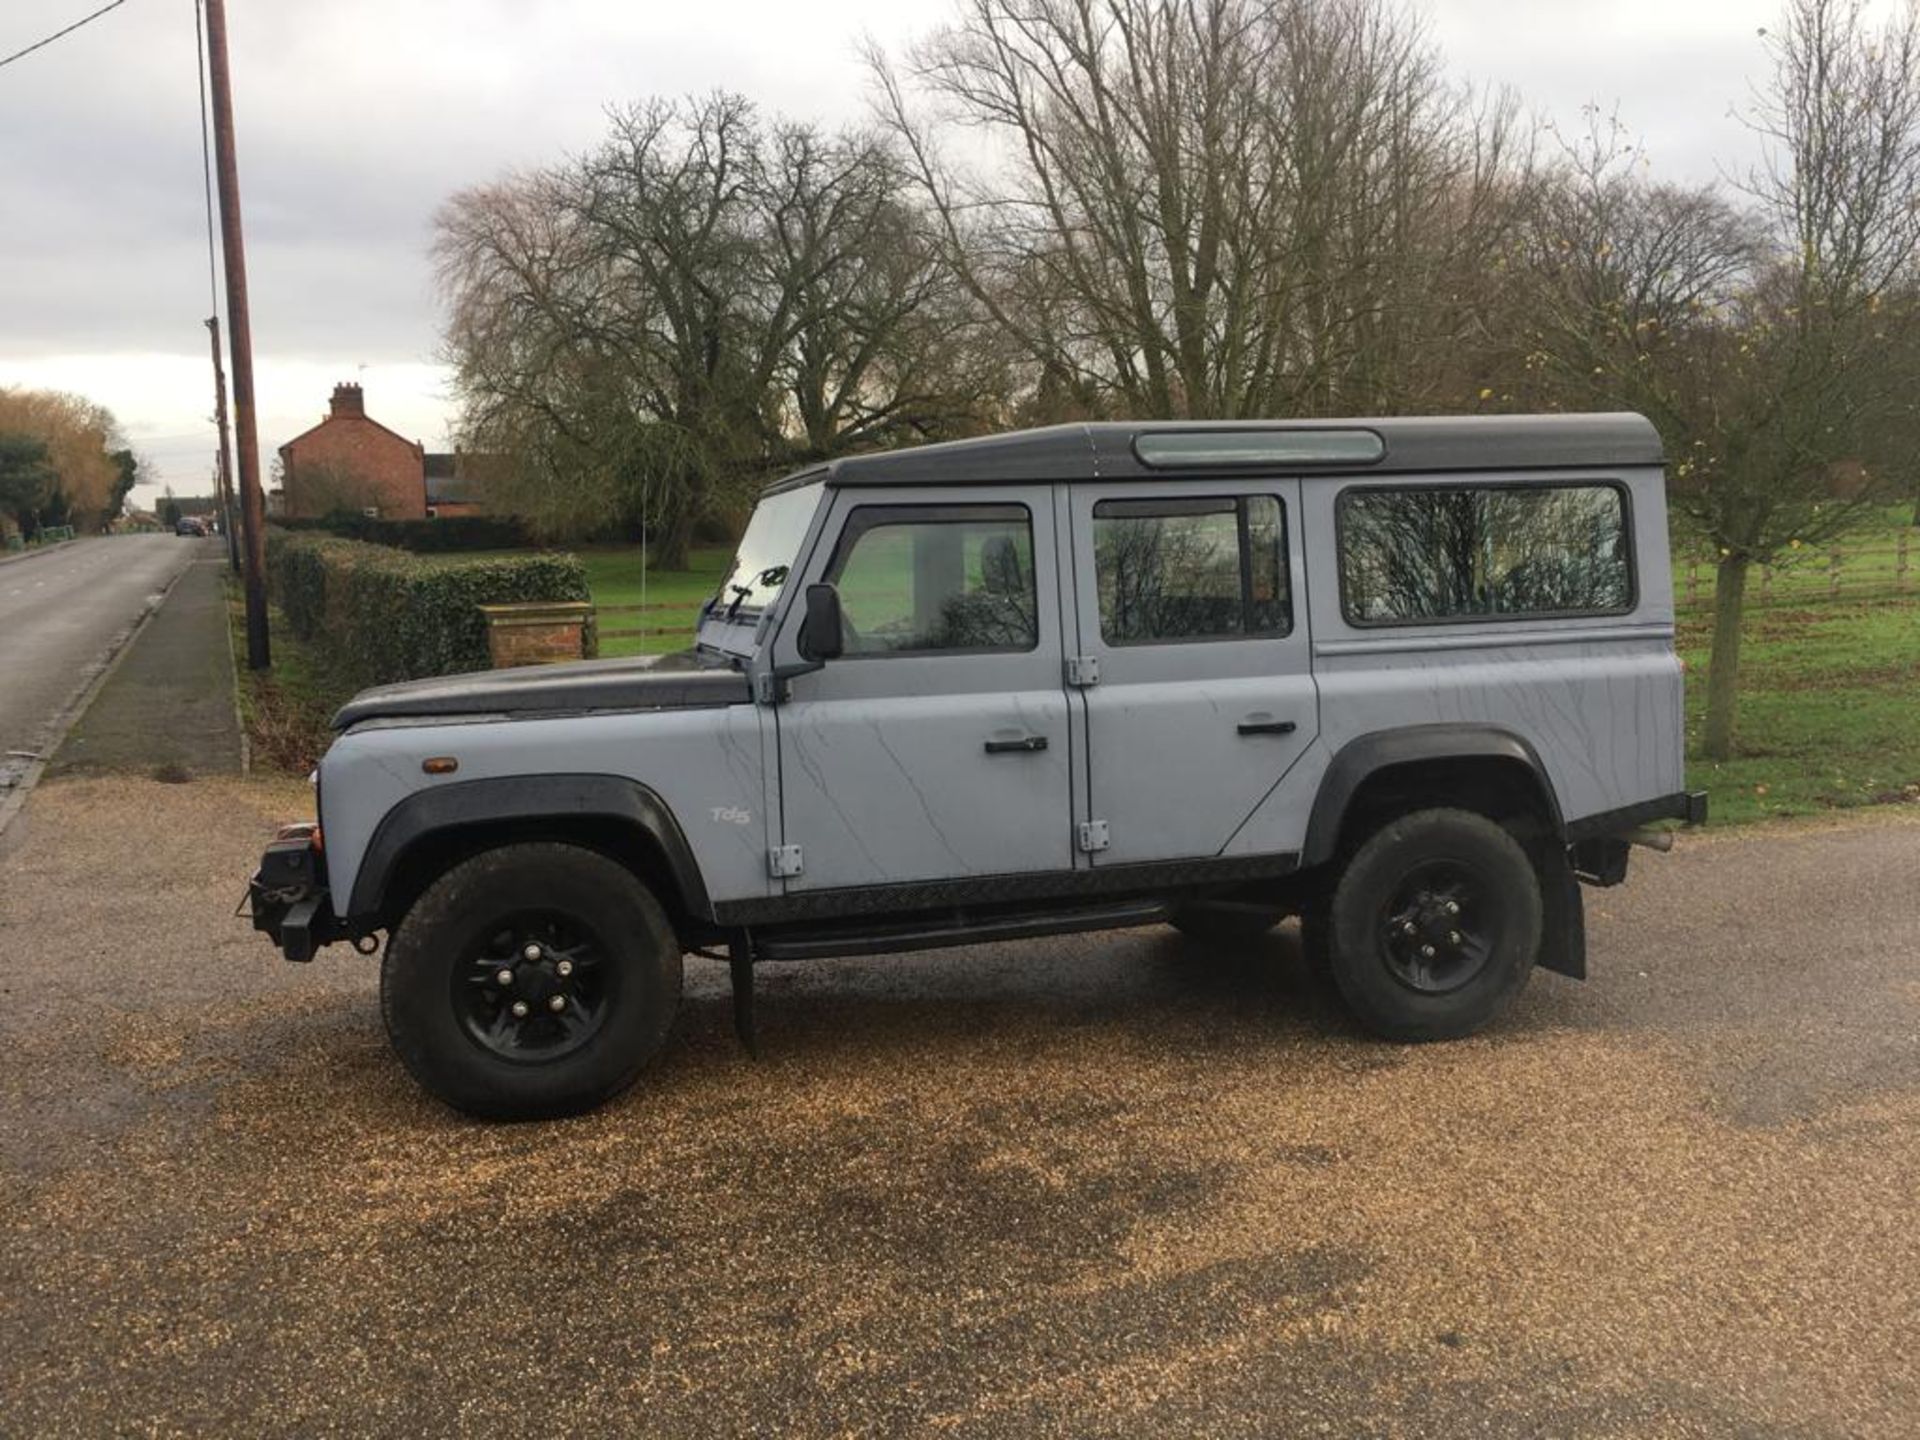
{"x": 1411, "y": 445}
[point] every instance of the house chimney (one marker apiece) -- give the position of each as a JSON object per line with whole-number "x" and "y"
{"x": 348, "y": 400}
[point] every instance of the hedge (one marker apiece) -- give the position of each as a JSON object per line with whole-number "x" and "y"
{"x": 423, "y": 537}
{"x": 385, "y": 615}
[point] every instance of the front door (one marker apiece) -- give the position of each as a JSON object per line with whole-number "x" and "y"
{"x": 936, "y": 747}
{"x": 1189, "y": 597}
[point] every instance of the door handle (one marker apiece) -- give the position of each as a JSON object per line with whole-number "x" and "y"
{"x": 1267, "y": 727}
{"x": 1025, "y": 744}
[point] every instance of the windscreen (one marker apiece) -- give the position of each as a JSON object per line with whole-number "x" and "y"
{"x": 767, "y": 551}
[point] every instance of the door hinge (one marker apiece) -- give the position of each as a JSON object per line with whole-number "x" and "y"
{"x": 1083, "y": 670}
{"x": 1093, "y": 836}
{"x": 783, "y": 861}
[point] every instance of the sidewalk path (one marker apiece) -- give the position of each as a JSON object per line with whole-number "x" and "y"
{"x": 167, "y": 710}
{"x": 64, "y": 613}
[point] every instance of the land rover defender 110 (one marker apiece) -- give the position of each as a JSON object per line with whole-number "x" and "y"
{"x": 1409, "y": 680}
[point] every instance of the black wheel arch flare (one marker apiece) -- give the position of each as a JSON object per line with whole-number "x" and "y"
{"x": 547, "y": 800}
{"x": 1366, "y": 755}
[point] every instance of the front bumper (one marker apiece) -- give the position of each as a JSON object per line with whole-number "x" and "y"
{"x": 287, "y": 898}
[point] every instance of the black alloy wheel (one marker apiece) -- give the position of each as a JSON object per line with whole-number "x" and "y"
{"x": 534, "y": 986}
{"x": 1435, "y": 934}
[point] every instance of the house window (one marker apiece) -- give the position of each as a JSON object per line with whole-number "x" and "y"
{"x": 923, "y": 579}
{"x": 1191, "y": 569}
{"x": 1429, "y": 554}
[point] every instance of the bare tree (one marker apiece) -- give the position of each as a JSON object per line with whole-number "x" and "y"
{"x": 698, "y": 301}
{"x": 1764, "y": 342}
{"x": 1208, "y": 208}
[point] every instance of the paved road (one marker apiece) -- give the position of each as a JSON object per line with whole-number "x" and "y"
{"x": 1109, "y": 1186}
{"x": 59, "y": 615}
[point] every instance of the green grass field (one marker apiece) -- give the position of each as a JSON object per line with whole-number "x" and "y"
{"x": 1830, "y": 702}
{"x": 1829, "y": 709}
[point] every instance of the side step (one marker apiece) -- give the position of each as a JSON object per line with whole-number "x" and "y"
{"x": 949, "y": 929}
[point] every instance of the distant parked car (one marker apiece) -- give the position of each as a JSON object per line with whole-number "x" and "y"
{"x": 188, "y": 525}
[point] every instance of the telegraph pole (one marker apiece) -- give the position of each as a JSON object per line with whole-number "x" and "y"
{"x": 253, "y": 505}
{"x": 227, "y": 516}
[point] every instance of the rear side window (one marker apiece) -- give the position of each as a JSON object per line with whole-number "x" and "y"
{"x": 922, "y": 579}
{"x": 1210, "y": 568}
{"x": 1464, "y": 553}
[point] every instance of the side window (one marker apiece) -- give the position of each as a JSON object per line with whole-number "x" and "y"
{"x": 1191, "y": 569}
{"x": 919, "y": 579}
{"x": 1464, "y": 552}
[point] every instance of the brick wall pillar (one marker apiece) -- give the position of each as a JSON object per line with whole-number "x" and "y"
{"x": 538, "y": 632}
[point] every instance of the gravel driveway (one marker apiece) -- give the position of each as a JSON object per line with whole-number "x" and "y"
{"x": 1109, "y": 1186}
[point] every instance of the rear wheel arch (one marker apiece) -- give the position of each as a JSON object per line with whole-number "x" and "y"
{"x": 1379, "y": 776}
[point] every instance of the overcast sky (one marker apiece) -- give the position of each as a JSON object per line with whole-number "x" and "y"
{"x": 357, "y": 117}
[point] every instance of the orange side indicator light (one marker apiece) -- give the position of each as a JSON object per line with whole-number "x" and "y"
{"x": 440, "y": 765}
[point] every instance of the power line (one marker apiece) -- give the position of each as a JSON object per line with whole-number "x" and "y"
{"x": 61, "y": 34}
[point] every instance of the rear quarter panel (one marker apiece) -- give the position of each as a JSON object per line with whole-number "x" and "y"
{"x": 1599, "y": 698}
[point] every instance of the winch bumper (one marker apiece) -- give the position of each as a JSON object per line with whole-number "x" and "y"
{"x": 288, "y": 897}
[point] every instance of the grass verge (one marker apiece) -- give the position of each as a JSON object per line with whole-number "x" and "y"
{"x": 286, "y": 710}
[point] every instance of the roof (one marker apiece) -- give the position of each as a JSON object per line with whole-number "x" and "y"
{"x": 335, "y": 419}
{"x": 1410, "y": 445}
{"x": 453, "y": 478}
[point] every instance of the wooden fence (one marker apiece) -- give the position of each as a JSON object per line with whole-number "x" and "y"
{"x": 1883, "y": 569}
{"x": 686, "y": 615}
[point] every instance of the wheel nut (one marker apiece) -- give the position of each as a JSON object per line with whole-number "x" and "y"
{"x": 557, "y": 1004}
{"x": 532, "y": 952}
{"x": 1453, "y": 907}
{"x": 1453, "y": 937}
{"x": 1426, "y": 952}
{"x": 503, "y": 977}
{"x": 519, "y": 1009}
{"x": 563, "y": 969}
{"x": 1408, "y": 928}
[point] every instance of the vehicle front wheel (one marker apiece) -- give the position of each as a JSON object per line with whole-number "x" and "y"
{"x": 531, "y": 981}
{"x": 1434, "y": 925}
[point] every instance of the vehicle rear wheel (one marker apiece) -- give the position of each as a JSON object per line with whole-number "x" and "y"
{"x": 1434, "y": 925}
{"x": 531, "y": 981}
{"x": 1218, "y": 924}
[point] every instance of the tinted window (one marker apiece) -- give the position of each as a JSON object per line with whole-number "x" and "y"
{"x": 947, "y": 577}
{"x": 1462, "y": 553}
{"x": 1200, "y": 569}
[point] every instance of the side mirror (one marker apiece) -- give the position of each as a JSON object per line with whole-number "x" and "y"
{"x": 822, "y": 634}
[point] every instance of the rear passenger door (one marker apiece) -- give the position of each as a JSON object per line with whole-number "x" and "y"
{"x": 1189, "y": 605}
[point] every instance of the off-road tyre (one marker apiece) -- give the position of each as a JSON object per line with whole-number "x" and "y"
{"x": 447, "y": 1021}
{"x": 1419, "y": 985}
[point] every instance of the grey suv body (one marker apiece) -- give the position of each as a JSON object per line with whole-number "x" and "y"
{"x": 1410, "y": 680}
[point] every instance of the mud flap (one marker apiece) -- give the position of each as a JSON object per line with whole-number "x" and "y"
{"x": 740, "y": 971}
{"x": 1563, "y": 914}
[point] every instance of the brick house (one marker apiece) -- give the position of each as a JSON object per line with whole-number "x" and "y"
{"x": 350, "y": 461}
{"x": 456, "y": 483}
